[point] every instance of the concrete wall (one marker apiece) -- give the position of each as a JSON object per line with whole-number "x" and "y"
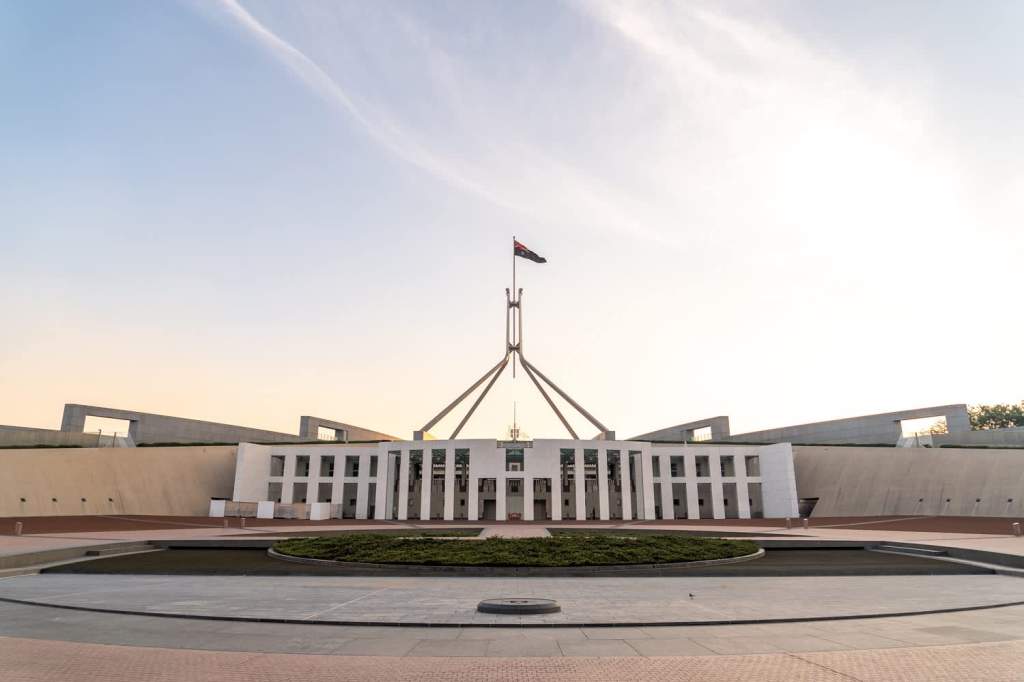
{"x": 145, "y": 427}
{"x": 175, "y": 480}
{"x": 309, "y": 427}
{"x": 23, "y": 436}
{"x": 864, "y": 481}
{"x": 983, "y": 437}
{"x": 684, "y": 432}
{"x": 869, "y": 430}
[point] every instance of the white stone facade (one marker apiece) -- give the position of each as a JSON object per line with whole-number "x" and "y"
{"x": 477, "y": 480}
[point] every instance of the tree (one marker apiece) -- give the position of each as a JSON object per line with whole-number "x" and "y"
{"x": 996, "y": 416}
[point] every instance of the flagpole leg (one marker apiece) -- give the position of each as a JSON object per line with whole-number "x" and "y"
{"x": 515, "y": 300}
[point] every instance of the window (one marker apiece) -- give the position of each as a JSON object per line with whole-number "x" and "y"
{"x": 352, "y": 466}
{"x": 590, "y": 464}
{"x": 514, "y": 459}
{"x": 677, "y": 470}
{"x": 703, "y": 468}
{"x": 277, "y": 465}
{"x": 302, "y": 466}
{"x": 728, "y": 465}
{"x": 327, "y": 466}
{"x": 373, "y": 466}
{"x": 753, "y": 465}
{"x": 656, "y": 466}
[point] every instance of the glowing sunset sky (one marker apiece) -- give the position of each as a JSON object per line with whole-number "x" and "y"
{"x": 245, "y": 212}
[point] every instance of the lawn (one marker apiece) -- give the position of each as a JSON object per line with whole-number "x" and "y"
{"x": 560, "y": 550}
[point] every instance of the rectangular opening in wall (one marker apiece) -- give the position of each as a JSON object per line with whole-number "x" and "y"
{"x": 274, "y": 491}
{"x": 514, "y": 459}
{"x": 925, "y": 426}
{"x": 373, "y": 466}
{"x": 703, "y": 465}
{"x": 514, "y": 499}
{"x": 277, "y": 465}
{"x": 753, "y": 464}
{"x": 567, "y": 473}
{"x": 487, "y": 504}
{"x": 756, "y": 504}
{"x": 394, "y": 457}
{"x": 614, "y": 471}
{"x": 656, "y": 466}
{"x": 541, "y": 499}
{"x": 415, "y": 483}
{"x": 352, "y": 466}
{"x": 677, "y": 468}
{"x": 107, "y": 426}
{"x": 658, "y": 514}
{"x": 704, "y": 501}
{"x": 729, "y": 501}
{"x": 299, "y": 492}
{"x": 462, "y": 483}
{"x": 678, "y": 501}
{"x": 371, "y": 501}
{"x": 590, "y": 464}
{"x": 326, "y": 466}
{"x": 636, "y": 496}
{"x": 728, "y": 465}
{"x": 324, "y": 433}
{"x": 323, "y": 492}
{"x": 302, "y": 466}
{"x": 702, "y": 434}
{"x": 348, "y": 500}
{"x": 437, "y": 483}
{"x": 591, "y": 486}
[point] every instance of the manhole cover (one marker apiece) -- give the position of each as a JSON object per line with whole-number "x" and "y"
{"x": 518, "y": 605}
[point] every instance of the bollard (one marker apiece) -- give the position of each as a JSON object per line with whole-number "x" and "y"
{"x": 789, "y": 523}
{"x": 1016, "y": 528}
{"x": 806, "y": 523}
{"x": 241, "y": 522}
{"x": 18, "y": 526}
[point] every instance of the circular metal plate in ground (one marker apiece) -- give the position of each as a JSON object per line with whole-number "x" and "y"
{"x": 518, "y": 606}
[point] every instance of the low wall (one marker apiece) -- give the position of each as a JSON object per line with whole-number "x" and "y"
{"x": 175, "y": 481}
{"x": 865, "y": 481}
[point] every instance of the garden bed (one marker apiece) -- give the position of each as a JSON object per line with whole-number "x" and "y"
{"x": 554, "y": 552}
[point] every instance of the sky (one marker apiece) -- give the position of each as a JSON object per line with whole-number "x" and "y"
{"x": 250, "y": 211}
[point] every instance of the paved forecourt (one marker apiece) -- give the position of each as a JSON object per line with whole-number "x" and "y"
{"x": 453, "y": 601}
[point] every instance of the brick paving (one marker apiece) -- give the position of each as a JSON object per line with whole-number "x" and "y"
{"x": 28, "y": 660}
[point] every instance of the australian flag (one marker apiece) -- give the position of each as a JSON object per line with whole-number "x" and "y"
{"x": 524, "y": 252}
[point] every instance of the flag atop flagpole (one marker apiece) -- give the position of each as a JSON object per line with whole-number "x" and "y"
{"x": 523, "y": 252}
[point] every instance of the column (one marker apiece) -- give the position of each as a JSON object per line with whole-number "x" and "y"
{"x": 602, "y": 484}
{"x": 288, "y": 480}
{"x": 647, "y": 482}
{"x": 742, "y": 494}
{"x": 500, "y": 488}
{"x": 384, "y": 482}
{"x": 390, "y": 469}
{"x": 556, "y": 494}
{"x": 627, "y": 495}
{"x": 668, "y": 510}
{"x": 449, "y": 484}
{"x": 527, "y": 498}
{"x": 717, "y": 506}
{"x": 580, "y": 479}
{"x": 363, "y": 487}
{"x": 337, "y": 482}
{"x": 403, "y": 485}
{"x": 472, "y": 494}
{"x": 427, "y": 486}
